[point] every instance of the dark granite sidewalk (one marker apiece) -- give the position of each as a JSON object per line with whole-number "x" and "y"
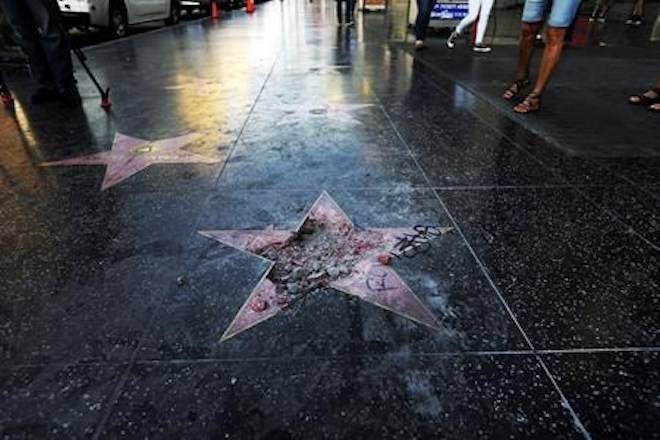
{"x": 210, "y": 258}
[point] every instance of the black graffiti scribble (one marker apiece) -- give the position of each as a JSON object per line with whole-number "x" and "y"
{"x": 376, "y": 281}
{"x": 410, "y": 245}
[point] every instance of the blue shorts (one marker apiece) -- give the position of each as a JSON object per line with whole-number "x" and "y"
{"x": 561, "y": 13}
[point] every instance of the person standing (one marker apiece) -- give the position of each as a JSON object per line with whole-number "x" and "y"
{"x": 424, "y": 9}
{"x": 348, "y": 16}
{"x": 561, "y": 16}
{"x": 42, "y": 36}
{"x": 637, "y": 15}
{"x": 476, "y": 9}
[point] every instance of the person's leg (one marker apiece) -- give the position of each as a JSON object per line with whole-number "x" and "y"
{"x": 561, "y": 16}
{"x": 526, "y": 49}
{"x": 484, "y": 15}
{"x": 339, "y": 13}
{"x": 473, "y": 13}
{"x": 424, "y": 9}
{"x": 349, "y": 10}
{"x": 636, "y": 14}
{"x": 525, "y": 52}
{"x": 21, "y": 20}
{"x": 54, "y": 42}
{"x": 638, "y": 8}
{"x": 551, "y": 55}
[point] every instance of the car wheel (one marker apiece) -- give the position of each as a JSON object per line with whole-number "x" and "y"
{"x": 175, "y": 12}
{"x": 118, "y": 19}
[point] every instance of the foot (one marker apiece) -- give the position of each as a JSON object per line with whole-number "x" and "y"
{"x": 655, "y": 108}
{"x": 350, "y": 23}
{"x": 419, "y": 44}
{"x": 634, "y": 20}
{"x": 530, "y": 104}
{"x": 651, "y": 96}
{"x": 43, "y": 95}
{"x": 515, "y": 89}
{"x": 70, "y": 97}
{"x": 481, "y": 48}
{"x": 451, "y": 41}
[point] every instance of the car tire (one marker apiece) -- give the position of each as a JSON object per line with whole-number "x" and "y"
{"x": 175, "y": 13}
{"x": 118, "y": 26}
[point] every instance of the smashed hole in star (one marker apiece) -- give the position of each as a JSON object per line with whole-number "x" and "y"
{"x": 325, "y": 252}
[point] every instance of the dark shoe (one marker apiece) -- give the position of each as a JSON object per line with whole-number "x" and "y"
{"x": 70, "y": 97}
{"x": 43, "y": 95}
{"x": 634, "y": 20}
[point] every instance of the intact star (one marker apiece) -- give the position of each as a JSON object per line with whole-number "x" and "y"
{"x": 331, "y": 252}
{"x": 130, "y": 155}
{"x": 342, "y": 113}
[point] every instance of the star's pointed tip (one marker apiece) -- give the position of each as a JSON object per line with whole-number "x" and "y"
{"x": 225, "y": 337}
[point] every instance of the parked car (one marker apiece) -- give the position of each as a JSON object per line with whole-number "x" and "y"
{"x": 116, "y": 16}
{"x": 196, "y": 5}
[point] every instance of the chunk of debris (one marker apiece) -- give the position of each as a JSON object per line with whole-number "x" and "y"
{"x": 385, "y": 259}
{"x": 259, "y": 305}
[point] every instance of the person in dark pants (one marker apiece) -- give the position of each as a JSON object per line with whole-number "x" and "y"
{"x": 350, "y": 7}
{"x": 42, "y": 36}
{"x": 424, "y": 9}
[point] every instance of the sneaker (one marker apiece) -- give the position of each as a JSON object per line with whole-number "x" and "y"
{"x": 481, "y": 48}
{"x": 451, "y": 41}
{"x": 634, "y": 20}
{"x": 43, "y": 95}
{"x": 70, "y": 97}
{"x": 419, "y": 44}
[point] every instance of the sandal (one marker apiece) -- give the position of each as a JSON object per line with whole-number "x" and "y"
{"x": 644, "y": 98}
{"x": 515, "y": 89}
{"x": 655, "y": 108}
{"x": 530, "y": 104}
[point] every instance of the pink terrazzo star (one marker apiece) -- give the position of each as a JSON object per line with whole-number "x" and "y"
{"x": 325, "y": 238}
{"x": 130, "y": 155}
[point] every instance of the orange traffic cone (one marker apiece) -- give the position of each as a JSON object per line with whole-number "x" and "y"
{"x": 215, "y": 11}
{"x": 249, "y": 6}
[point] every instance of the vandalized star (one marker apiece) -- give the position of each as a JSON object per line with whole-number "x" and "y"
{"x": 130, "y": 155}
{"x": 342, "y": 113}
{"x": 325, "y": 251}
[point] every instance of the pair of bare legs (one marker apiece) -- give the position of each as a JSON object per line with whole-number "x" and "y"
{"x": 650, "y": 98}
{"x": 551, "y": 54}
